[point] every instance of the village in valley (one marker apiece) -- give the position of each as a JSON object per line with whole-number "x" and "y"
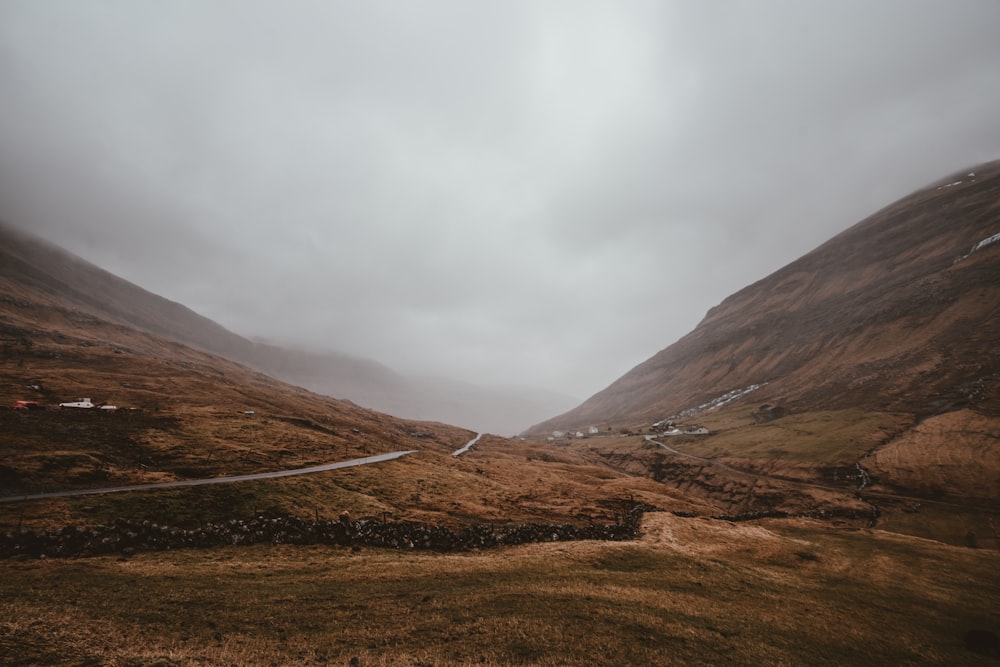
{"x": 666, "y": 427}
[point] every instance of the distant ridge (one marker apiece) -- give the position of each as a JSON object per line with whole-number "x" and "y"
{"x": 37, "y": 269}
{"x": 899, "y": 312}
{"x": 30, "y": 262}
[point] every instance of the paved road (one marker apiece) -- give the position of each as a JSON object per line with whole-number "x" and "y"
{"x": 468, "y": 445}
{"x": 215, "y": 480}
{"x": 717, "y": 464}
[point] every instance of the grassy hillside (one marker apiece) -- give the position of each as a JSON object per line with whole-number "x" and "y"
{"x": 885, "y": 551}
{"x": 689, "y": 592}
{"x": 186, "y": 419}
{"x": 895, "y": 314}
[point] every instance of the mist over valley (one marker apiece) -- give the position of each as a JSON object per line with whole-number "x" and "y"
{"x": 537, "y": 334}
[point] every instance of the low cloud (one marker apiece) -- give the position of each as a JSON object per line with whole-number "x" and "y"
{"x": 510, "y": 193}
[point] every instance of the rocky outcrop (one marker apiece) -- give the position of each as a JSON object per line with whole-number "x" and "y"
{"x": 767, "y": 412}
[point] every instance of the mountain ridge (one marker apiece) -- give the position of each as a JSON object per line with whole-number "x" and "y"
{"x": 836, "y": 345}
{"x": 836, "y": 326}
{"x": 29, "y": 261}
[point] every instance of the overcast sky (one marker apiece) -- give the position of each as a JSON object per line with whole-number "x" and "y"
{"x": 535, "y": 193}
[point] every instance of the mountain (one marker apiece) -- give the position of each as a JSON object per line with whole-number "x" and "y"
{"x": 767, "y": 535}
{"x": 183, "y": 413}
{"x": 877, "y": 350}
{"x": 57, "y": 276}
{"x": 899, "y": 313}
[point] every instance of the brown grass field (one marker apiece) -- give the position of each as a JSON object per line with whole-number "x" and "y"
{"x": 688, "y": 592}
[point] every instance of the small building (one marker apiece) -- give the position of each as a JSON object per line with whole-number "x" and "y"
{"x": 663, "y": 425}
{"x": 79, "y": 404}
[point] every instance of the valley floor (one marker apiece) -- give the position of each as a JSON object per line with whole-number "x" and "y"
{"x": 689, "y": 591}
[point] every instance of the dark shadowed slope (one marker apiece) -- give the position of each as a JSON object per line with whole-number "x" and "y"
{"x": 897, "y": 313}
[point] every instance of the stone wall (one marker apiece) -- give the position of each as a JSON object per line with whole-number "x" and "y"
{"x": 128, "y": 537}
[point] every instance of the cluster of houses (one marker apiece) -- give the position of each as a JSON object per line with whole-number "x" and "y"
{"x": 593, "y": 430}
{"x": 665, "y": 427}
{"x": 668, "y": 427}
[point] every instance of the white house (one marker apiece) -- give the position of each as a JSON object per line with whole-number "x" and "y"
{"x": 81, "y": 403}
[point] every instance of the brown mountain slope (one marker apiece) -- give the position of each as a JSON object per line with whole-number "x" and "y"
{"x": 185, "y": 415}
{"x": 703, "y": 585}
{"x": 51, "y": 275}
{"x": 187, "y": 419}
{"x": 894, "y": 314}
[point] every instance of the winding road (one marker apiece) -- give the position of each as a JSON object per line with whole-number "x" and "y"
{"x": 652, "y": 438}
{"x": 468, "y": 445}
{"x": 215, "y": 480}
